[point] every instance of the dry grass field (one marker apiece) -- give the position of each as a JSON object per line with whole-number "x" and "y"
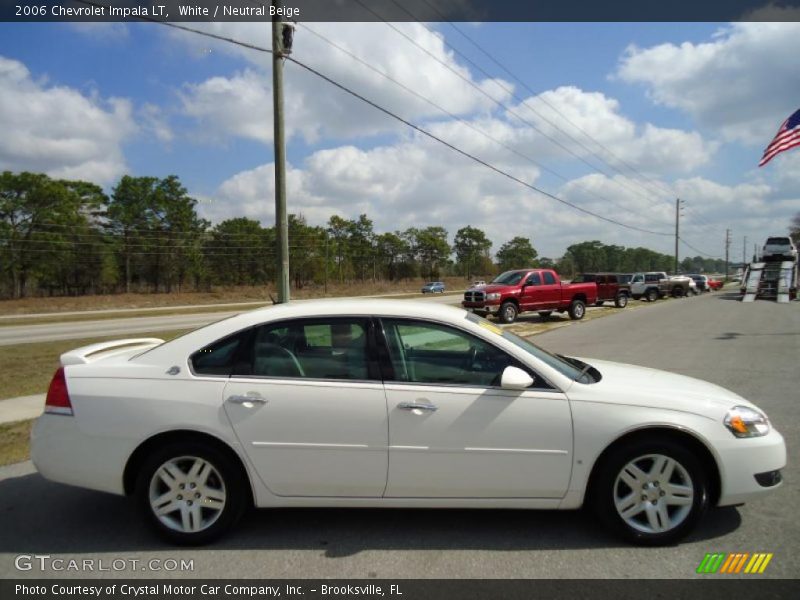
{"x": 215, "y": 296}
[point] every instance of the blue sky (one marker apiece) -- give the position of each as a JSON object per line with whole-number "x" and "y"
{"x": 669, "y": 109}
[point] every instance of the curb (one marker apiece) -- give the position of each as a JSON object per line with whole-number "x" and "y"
{"x": 21, "y": 409}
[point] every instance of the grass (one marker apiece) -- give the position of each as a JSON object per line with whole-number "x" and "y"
{"x": 216, "y": 296}
{"x": 14, "y": 438}
{"x": 26, "y": 369}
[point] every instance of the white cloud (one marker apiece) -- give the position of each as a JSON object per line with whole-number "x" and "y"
{"x": 742, "y": 84}
{"x": 316, "y": 109}
{"x": 58, "y": 130}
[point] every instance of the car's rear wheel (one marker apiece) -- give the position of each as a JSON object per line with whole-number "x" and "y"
{"x": 508, "y": 312}
{"x": 621, "y": 301}
{"x": 650, "y": 492}
{"x": 191, "y": 492}
{"x": 677, "y": 292}
{"x": 576, "y": 310}
{"x": 651, "y": 295}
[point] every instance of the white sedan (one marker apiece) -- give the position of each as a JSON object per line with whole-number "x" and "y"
{"x": 394, "y": 404}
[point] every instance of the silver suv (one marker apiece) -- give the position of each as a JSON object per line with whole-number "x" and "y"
{"x": 779, "y": 246}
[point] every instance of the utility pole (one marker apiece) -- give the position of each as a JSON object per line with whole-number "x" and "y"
{"x": 678, "y": 203}
{"x": 727, "y": 250}
{"x": 280, "y": 49}
{"x": 744, "y": 252}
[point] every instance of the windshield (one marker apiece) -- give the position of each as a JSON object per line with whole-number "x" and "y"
{"x": 567, "y": 367}
{"x": 509, "y": 278}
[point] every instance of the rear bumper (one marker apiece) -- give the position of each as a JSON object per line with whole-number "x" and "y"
{"x": 64, "y": 453}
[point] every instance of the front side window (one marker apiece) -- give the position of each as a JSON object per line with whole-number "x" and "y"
{"x": 422, "y": 352}
{"x": 335, "y": 348}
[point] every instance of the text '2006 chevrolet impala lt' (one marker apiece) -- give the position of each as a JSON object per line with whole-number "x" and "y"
{"x": 354, "y": 403}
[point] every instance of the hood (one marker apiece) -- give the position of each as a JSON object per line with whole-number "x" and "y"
{"x": 642, "y": 386}
{"x": 498, "y": 287}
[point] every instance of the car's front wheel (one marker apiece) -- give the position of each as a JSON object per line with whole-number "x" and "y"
{"x": 650, "y": 492}
{"x": 508, "y": 312}
{"x": 191, "y": 492}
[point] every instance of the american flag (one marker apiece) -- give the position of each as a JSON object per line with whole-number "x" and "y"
{"x": 788, "y": 136}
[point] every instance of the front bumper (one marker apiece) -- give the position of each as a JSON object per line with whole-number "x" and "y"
{"x": 481, "y": 308}
{"x": 748, "y": 467}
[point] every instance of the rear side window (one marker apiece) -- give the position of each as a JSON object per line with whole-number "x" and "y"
{"x": 533, "y": 279}
{"x": 549, "y": 279}
{"x": 334, "y": 348}
{"x": 651, "y": 277}
{"x": 220, "y": 357}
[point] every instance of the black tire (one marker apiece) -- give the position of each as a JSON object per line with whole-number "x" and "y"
{"x": 608, "y": 487}
{"x": 678, "y": 292}
{"x": 545, "y": 314}
{"x": 225, "y": 479}
{"x": 651, "y": 295}
{"x": 508, "y": 312}
{"x": 577, "y": 309}
{"x": 621, "y": 301}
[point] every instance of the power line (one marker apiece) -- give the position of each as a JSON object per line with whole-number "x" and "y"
{"x": 506, "y": 108}
{"x": 409, "y": 123}
{"x": 464, "y": 121}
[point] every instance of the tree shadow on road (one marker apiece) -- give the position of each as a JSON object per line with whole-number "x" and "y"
{"x": 37, "y": 516}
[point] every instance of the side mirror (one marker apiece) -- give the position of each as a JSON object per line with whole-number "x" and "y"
{"x": 514, "y": 378}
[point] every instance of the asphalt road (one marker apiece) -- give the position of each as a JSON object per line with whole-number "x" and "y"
{"x": 752, "y": 349}
{"x": 47, "y": 332}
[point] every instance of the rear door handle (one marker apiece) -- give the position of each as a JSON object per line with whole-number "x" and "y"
{"x": 417, "y": 406}
{"x": 250, "y": 397}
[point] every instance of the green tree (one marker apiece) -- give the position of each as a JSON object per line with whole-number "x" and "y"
{"x": 517, "y": 253}
{"x": 430, "y": 249}
{"x": 588, "y": 256}
{"x": 240, "y": 252}
{"x": 471, "y": 246}
{"x": 42, "y": 224}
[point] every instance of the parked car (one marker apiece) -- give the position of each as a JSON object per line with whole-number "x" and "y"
{"x": 715, "y": 284}
{"x": 522, "y": 290}
{"x": 380, "y": 403}
{"x": 701, "y": 281}
{"x": 656, "y": 284}
{"x": 779, "y": 247}
{"x": 610, "y": 287}
{"x": 433, "y": 287}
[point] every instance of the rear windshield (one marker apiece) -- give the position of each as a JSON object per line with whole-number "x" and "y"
{"x": 778, "y": 241}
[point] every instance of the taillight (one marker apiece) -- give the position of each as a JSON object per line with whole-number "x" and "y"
{"x": 58, "y": 402}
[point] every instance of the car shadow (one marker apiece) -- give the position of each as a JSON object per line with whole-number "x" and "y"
{"x": 38, "y": 516}
{"x": 728, "y": 296}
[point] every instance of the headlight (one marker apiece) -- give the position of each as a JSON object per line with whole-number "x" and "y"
{"x": 493, "y": 296}
{"x": 745, "y": 422}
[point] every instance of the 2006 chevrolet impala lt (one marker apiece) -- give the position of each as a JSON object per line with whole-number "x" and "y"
{"x": 394, "y": 404}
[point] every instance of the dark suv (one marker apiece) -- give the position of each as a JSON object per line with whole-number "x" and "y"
{"x": 610, "y": 287}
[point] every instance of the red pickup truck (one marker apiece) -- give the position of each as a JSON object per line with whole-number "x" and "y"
{"x": 540, "y": 290}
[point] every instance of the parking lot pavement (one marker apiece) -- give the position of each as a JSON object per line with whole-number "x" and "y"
{"x": 751, "y": 349}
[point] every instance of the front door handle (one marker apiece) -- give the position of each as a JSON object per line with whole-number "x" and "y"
{"x": 249, "y": 398}
{"x": 417, "y": 406}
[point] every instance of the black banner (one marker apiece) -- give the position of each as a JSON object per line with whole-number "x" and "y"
{"x": 401, "y": 10}
{"x": 399, "y": 589}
